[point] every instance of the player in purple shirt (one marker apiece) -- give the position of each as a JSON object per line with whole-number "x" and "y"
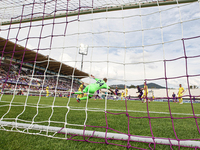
{"x": 174, "y": 97}
{"x": 97, "y": 96}
{"x": 140, "y": 92}
{"x": 116, "y": 93}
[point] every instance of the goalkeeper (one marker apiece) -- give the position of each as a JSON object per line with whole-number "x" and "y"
{"x": 92, "y": 88}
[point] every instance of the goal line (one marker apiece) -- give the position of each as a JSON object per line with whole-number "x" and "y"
{"x": 98, "y": 134}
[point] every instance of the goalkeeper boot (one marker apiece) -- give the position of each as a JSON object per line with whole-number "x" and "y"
{"x": 78, "y": 100}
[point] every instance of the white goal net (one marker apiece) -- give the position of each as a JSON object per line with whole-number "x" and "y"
{"x": 49, "y": 47}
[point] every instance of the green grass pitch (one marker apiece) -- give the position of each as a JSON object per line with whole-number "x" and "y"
{"x": 162, "y": 127}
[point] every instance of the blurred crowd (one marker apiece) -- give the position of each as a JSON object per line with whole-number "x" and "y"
{"x": 24, "y": 80}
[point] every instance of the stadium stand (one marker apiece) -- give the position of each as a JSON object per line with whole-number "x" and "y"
{"x": 15, "y": 71}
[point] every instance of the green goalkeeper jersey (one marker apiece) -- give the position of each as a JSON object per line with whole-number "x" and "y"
{"x": 99, "y": 84}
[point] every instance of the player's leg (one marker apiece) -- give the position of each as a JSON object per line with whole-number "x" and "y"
{"x": 96, "y": 96}
{"x": 81, "y": 93}
{"x": 144, "y": 97}
{"x": 99, "y": 96}
{"x": 88, "y": 93}
{"x": 47, "y": 94}
{"x": 181, "y": 99}
{"x": 147, "y": 98}
{"x": 126, "y": 96}
{"x": 85, "y": 97}
{"x": 122, "y": 98}
{"x": 140, "y": 96}
{"x": 114, "y": 98}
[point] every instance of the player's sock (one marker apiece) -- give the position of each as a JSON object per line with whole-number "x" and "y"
{"x": 79, "y": 92}
{"x": 84, "y": 98}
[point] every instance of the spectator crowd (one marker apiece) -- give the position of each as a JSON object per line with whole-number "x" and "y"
{"x": 26, "y": 80}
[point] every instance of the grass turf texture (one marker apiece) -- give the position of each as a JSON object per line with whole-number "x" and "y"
{"x": 162, "y": 127}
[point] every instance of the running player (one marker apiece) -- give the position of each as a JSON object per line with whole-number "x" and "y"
{"x": 145, "y": 92}
{"x": 140, "y": 92}
{"x": 116, "y": 92}
{"x": 180, "y": 94}
{"x": 92, "y": 88}
{"x": 174, "y": 97}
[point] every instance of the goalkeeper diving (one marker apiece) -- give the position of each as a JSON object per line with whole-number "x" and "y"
{"x": 92, "y": 88}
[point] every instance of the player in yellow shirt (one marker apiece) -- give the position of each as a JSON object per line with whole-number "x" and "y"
{"x": 180, "y": 94}
{"x": 145, "y": 91}
{"x": 122, "y": 95}
{"x": 126, "y": 91}
{"x": 47, "y": 91}
{"x": 80, "y": 90}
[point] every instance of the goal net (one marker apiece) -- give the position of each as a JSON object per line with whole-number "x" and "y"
{"x": 49, "y": 47}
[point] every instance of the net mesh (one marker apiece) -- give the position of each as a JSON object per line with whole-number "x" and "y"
{"x": 40, "y": 58}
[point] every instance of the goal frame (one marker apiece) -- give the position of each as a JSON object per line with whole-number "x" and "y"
{"x": 98, "y": 134}
{"x": 91, "y": 133}
{"x": 100, "y": 10}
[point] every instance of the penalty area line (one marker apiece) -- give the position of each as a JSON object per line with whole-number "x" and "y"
{"x": 136, "y": 111}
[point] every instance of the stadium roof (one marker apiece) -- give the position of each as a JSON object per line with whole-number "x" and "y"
{"x": 42, "y": 61}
